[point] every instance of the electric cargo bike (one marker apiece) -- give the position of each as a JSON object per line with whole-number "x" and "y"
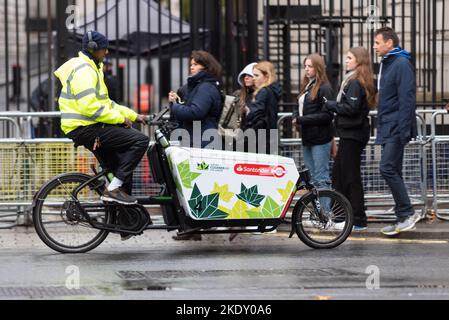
{"x": 202, "y": 192}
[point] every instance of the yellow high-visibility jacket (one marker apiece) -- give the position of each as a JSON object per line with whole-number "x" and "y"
{"x": 84, "y": 98}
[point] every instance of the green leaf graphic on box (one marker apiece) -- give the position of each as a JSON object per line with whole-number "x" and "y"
{"x": 225, "y": 195}
{"x": 286, "y": 192}
{"x": 239, "y": 210}
{"x": 224, "y": 209}
{"x": 271, "y": 209}
{"x": 250, "y": 196}
{"x": 187, "y": 176}
{"x": 205, "y": 207}
{"x": 254, "y": 213}
{"x": 196, "y": 194}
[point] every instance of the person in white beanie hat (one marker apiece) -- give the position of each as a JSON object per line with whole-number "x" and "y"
{"x": 231, "y": 117}
{"x": 247, "y": 71}
{"x": 246, "y": 82}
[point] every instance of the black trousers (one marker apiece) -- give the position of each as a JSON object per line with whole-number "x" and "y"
{"x": 120, "y": 151}
{"x": 346, "y": 177}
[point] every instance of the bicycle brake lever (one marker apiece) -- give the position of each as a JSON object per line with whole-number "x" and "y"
{"x": 159, "y": 115}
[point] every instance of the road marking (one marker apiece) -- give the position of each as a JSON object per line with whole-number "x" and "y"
{"x": 411, "y": 241}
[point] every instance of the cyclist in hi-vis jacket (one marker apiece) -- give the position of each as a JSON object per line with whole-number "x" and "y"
{"x": 90, "y": 118}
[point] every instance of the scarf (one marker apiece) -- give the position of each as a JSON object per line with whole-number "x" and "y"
{"x": 345, "y": 81}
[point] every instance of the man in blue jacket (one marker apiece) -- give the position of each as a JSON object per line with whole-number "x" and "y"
{"x": 396, "y": 121}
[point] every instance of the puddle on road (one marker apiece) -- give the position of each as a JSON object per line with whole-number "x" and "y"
{"x": 181, "y": 279}
{"x": 296, "y": 279}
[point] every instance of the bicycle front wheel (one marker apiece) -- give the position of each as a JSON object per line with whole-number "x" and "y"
{"x": 58, "y": 220}
{"x": 324, "y": 221}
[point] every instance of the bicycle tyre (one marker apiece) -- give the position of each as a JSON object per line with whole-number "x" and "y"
{"x": 49, "y": 192}
{"x": 340, "y": 203}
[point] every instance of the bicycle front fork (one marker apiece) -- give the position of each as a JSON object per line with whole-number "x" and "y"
{"x": 305, "y": 176}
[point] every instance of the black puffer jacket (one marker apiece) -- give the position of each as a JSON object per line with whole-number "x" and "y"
{"x": 263, "y": 116}
{"x": 316, "y": 121}
{"x": 351, "y": 121}
{"x": 264, "y": 109}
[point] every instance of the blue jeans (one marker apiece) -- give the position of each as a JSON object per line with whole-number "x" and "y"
{"x": 391, "y": 170}
{"x": 316, "y": 159}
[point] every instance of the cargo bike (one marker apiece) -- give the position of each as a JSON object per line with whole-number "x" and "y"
{"x": 202, "y": 192}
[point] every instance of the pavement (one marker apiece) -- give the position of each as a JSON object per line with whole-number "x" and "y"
{"x": 426, "y": 229}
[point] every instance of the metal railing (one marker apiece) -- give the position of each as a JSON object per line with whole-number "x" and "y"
{"x": 150, "y": 42}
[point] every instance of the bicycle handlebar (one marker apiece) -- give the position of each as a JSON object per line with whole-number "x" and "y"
{"x": 156, "y": 119}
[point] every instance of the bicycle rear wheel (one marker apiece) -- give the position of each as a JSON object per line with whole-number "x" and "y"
{"x": 324, "y": 225}
{"x": 58, "y": 220}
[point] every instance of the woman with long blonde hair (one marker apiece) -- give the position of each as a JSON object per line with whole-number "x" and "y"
{"x": 354, "y": 101}
{"x": 313, "y": 121}
{"x": 261, "y": 112}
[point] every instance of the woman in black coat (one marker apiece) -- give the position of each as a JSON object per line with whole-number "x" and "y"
{"x": 314, "y": 121}
{"x": 200, "y": 101}
{"x": 259, "y": 115}
{"x": 354, "y": 101}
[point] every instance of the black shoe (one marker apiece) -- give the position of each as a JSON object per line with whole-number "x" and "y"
{"x": 194, "y": 237}
{"x": 118, "y": 195}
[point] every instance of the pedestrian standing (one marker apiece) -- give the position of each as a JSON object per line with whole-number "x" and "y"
{"x": 200, "y": 99}
{"x": 354, "y": 101}
{"x": 396, "y": 121}
{"x": 260, "y": 112}
{"x": 314, "y": 121}
{"x": 230, "y": 121}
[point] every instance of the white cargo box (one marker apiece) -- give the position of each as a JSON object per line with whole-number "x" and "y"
{"x": 220, "y": 185}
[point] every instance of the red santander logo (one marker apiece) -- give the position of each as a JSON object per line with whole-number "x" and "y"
{"x": 259, "y": 170}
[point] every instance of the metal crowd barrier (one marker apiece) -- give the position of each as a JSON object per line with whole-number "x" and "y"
{"x": 440, "y": 170}
{"x": 379, "y": 203}
{"x": 26, "y": 164}
{"x": 18, "y": 131}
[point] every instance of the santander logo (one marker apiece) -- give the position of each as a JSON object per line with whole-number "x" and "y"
{"x": 259, "y": 170}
